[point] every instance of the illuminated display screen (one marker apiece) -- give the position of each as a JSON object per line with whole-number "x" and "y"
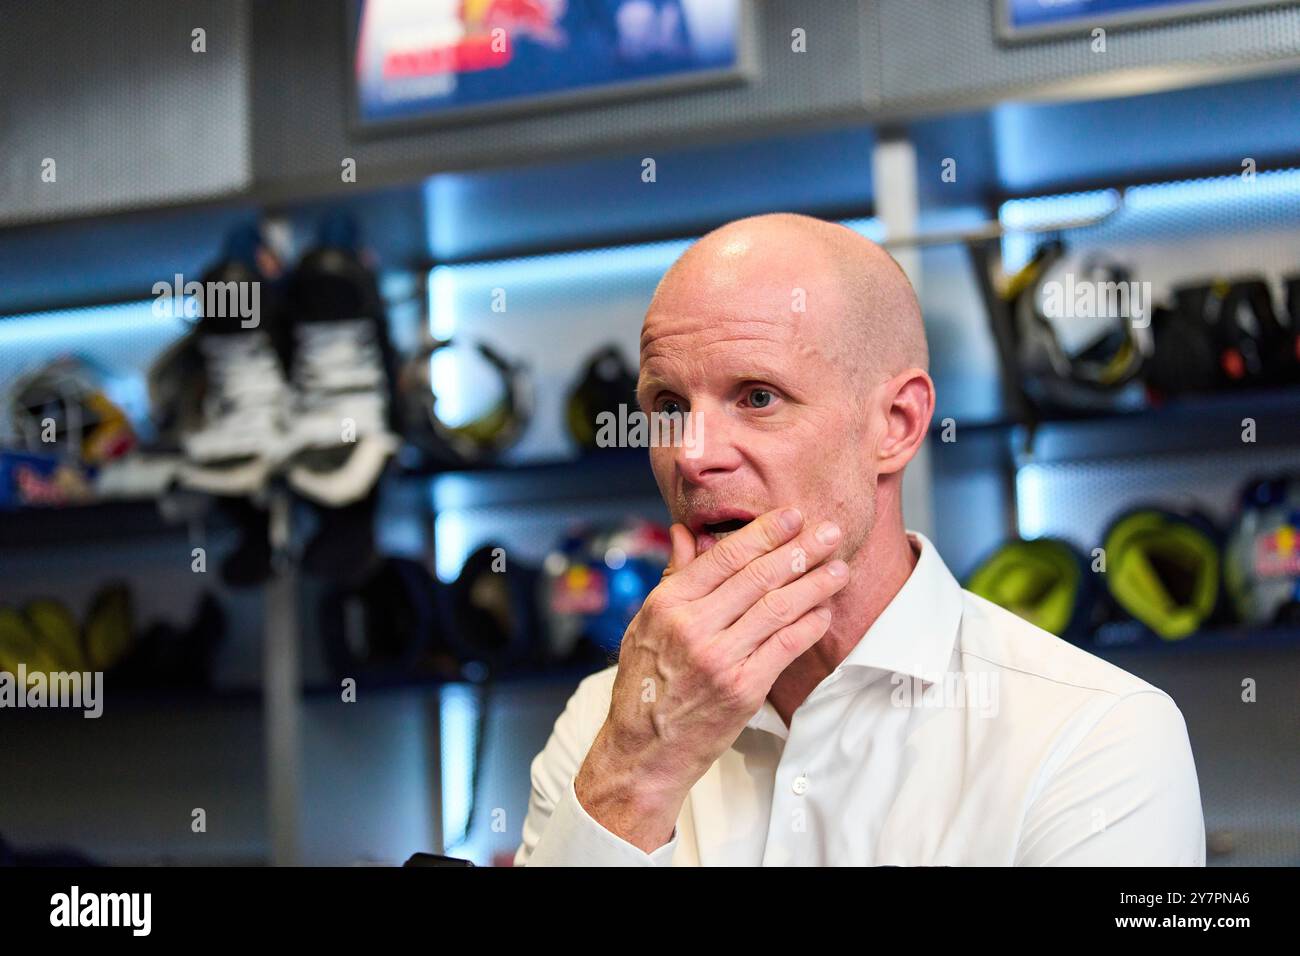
{"x": 440, "y": 60}
{"x": 1028, "y": 18}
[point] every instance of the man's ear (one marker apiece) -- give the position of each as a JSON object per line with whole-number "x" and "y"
{"x": 907, "y": 401}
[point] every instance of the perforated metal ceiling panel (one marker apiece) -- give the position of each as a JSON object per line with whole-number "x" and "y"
{"x": 937, "y": 54}
{"x": 113, "y": 92}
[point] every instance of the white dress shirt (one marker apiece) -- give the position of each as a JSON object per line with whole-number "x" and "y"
{"x": 953, "y": 734}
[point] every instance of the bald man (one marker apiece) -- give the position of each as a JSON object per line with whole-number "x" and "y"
{"x": 808, "y": 684}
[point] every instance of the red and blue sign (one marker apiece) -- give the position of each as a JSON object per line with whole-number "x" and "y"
{"x": 443, "y": 59}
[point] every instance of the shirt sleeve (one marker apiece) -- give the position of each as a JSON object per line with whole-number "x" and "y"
{"x": 1126, "y": 795}
{"x": 558, "y": 831}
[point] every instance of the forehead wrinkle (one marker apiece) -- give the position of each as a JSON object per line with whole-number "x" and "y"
{"x": 727, "y": 353}
{"x": 724, "y": 329}
{"x": 694, "y": 332}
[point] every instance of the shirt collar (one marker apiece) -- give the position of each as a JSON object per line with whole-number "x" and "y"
{"x": 914, "y": 635}
{"x": 916, "y": 632}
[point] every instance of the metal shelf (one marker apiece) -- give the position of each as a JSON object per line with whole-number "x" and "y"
{"x": 1190, "y": 423}
{"x": 615, "y": 473}
{"x": 169, "y": 699}
{"x": 109, "y": 521}
{"x": 1230, "y": 640}
{"x": 1202, "y": 422}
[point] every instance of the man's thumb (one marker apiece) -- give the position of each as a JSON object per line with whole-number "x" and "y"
{"x": 683, "y": 548}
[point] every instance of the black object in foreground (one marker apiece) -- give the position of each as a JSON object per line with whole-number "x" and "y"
{"x": 434, "y": 859}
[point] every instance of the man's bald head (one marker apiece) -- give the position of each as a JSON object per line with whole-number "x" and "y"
{"x": 880, "y": 331}
{"x": 797, "y": 347}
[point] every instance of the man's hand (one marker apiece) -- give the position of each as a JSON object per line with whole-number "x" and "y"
{"x": 697, "y": 662}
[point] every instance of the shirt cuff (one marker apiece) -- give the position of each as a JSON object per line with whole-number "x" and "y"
{"x": 573, "y": 838}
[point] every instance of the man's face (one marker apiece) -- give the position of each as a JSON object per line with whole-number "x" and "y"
{"x": 781, "y": 423}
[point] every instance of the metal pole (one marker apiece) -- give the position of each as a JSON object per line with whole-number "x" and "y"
{"x": 897, "y": 203}
{"x": 282, "y": 690}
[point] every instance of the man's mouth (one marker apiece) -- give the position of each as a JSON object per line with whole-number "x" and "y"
{"x": 710, "y": 532}
{"x": 720, "y": 529}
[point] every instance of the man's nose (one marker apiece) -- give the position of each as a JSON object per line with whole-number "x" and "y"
{"x": 708, "y": 450}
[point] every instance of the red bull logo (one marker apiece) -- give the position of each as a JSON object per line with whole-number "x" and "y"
{"x": 1277, "y": 553}
{"x": 580, "y": 590}
{"x": 481, "y": 35}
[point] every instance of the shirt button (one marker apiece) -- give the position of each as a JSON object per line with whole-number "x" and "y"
{"x": 800, "y": 785}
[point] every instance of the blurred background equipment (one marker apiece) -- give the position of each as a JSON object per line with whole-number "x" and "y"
{"x": 1045, "y": 581}
{"x": 110, "y": 628}
{"x": 606, "y": 387}
{"x": 62, "y": 410}
{"x": 595, "y": 581}
{"x": 1222, "y": 334}
{"x": 44, "y": 635}
{"x": 1256, "y": 348}
{"x": 343, "y": 418}
{"x": 1163, "y": 568}
{"x": 21, "y": 645}
{"x": 466, "y": 437}
{"x": 62, "y": 428}
{"x": 234, "y": 439}
{"x": 1074, "y": 352}
{"x": 1262, "y": 565}
{"x": 1186, "y": 358}
{"x": 1085, "y": 336}
{"x": 386, "y": 627}
{"x": 494, "y": 623}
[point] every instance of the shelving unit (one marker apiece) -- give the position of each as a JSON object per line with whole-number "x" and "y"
{"x": 1169, "y": 426}
{"x": 1236, "y": 640}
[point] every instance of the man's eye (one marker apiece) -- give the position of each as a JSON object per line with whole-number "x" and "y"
{"x": 761, "y": 397}
{"x": 670, "y": 406}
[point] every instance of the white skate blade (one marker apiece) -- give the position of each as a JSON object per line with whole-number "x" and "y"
{"x": 349, "y": 483}
{"x": 243, "y": 479}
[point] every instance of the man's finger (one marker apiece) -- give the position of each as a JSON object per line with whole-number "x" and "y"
{"x": 777, "y": 653}
{"x": 781, "y": 608}
{"x": 766, "y": 573}
{"x": 765, "y": 533}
